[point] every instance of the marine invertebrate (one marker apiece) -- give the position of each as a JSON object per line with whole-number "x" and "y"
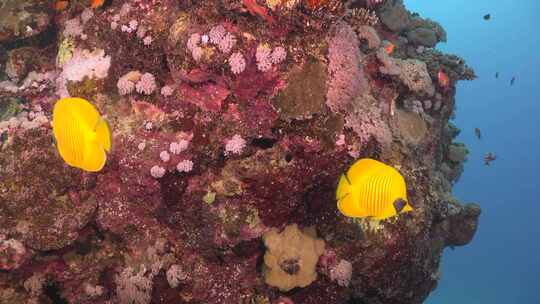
{"x": 346, "y": 79}
{"x": 193, "y": 41}
{"x": 157, "y": 171}
{"x": 237, "y": 63}
{"x": 363, "y": 16}
{"x": 278, "y": 55}
{"x": 146, "y": 85}
{"x": 178, "y": 147}
{"x": 84, "y": 63}
{"x": 164, "y": 156}
{"x": 217, "y": 33}
{"x": 263, "y": 58}
{"x": 185, "y": 166}
{"x": 235, "y": 145}
{"x": 126, "y": 83}
{"x": 147, "y": 40}
{"x": 291, "y": 257}
{"x": 227, "y": 43}
{"x": 73, "y": 28}
{"x": 167, "y": 91}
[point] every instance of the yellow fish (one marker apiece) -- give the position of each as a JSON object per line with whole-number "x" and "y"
{"x": 82, "y": 135}
{"x": 372, "y": 189}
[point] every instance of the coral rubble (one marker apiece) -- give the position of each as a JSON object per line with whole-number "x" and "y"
{"x": 232, "y": 122}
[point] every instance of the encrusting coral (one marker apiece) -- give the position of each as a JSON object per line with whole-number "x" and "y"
{"x": 291, "y": 257}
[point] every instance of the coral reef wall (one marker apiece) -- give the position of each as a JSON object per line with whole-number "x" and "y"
{"x": 232, "y": 121}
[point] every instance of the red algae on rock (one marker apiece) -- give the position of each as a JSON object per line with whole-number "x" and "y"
{"x": 207, "y": 159}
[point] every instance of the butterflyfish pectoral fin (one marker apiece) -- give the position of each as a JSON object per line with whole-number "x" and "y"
{"x": 103, "y": 134}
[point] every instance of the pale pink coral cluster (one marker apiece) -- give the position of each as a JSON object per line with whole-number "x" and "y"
{"x": 125, "y": 86}
{"x": 266, "y": 57}
{"x": 224, "y": 40}
{"x": 185, "y": 166}
{"x": 193, "y": 46}
{"x": 169, "y": 156}
{"x": 237, "y": 63}
{"x": 157, "y": 171}
{"x": 217, "y": 33}
{"x": 147, "y": 84}
{"x": 132, "y": 26}
{"x": 167, "y": 91}
{"x": 178, "y": 147}
{"x": 235, "y": 145}
{"x": 165, "y": 156}
{"x": 227, "y": 43}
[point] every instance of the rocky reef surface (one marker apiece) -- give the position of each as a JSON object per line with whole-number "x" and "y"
{"x": 232, "y": 122}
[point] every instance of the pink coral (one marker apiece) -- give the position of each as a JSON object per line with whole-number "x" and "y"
{"x": 125, "y": 86}
{"x": 264, "y": 60}
{"x": 197, "y": 53}
{"x": 227, "y": 43}
{"x": 147, "y": 84}
{"x": 346, "y": 79}
{"x": 73, "y": 28}
{"x": 178, "y": 147}
{"x": 165, "y": 156}
{"x": 217, "y": 33}
{"x": 167, "y": 91}
{"x": 157, "y": 171}
{"x": 147, "y": 40}
{"x": 237, "y": 63}
{"x": 193, "y": 41}
{"x": 185, "y": 166}
{"x": 278, "y": 55}
{"x": 235, "y": 145}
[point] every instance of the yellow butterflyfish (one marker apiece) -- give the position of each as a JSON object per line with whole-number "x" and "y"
{"x": 373, "y": 189}
{"x": 82, "y": 136}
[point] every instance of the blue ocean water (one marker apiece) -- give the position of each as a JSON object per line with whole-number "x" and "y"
{"x": 502, "y": 264}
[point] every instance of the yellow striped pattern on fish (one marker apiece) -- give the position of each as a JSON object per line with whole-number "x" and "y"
{"x": 82, "y": 135}
{"x": 373, "y": 189}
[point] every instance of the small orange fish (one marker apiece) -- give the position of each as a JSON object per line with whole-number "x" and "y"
{"x": 96, "y": 3}
{"x": 390, "y": 48}
{"x": 444, "y": 81}
{"x": 61, "y": 5}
